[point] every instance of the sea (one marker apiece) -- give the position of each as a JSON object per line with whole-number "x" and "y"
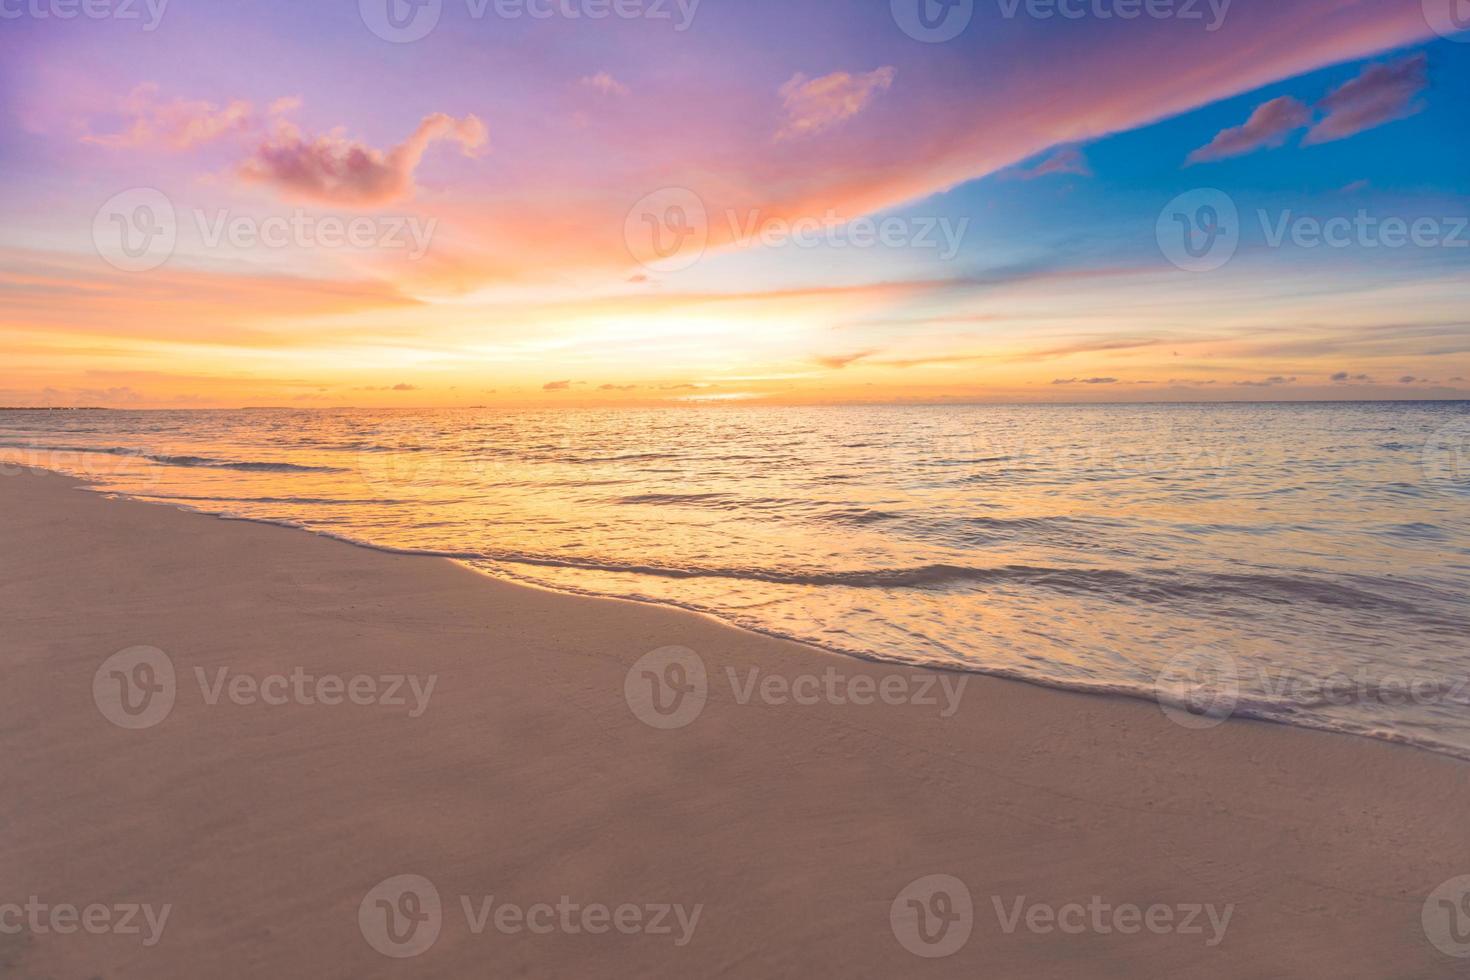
{"x": 1307, "y": 564}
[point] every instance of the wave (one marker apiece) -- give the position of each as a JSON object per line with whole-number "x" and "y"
{"x": 1296, "y": 713}
{"x": 1298, "y": 708}
{"x": 661, "y": 499}
{"x": 250, "y": 466}
{"x": 328, "y": 501}
{"x": 1114, "y": 584}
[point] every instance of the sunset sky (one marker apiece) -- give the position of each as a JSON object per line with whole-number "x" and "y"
{"x": 984, "y": 218}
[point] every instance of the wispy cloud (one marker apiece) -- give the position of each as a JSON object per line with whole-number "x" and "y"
{"x": 1270, "y": 382}
{"x": 1089, "y": 347}
{"x": 1381, "y": 94}
{"x": 1068, "y": 160}
{"x": 1269, "y": 125}
{"x": 816, "y": 104}
{"x": 840, "y": 361}
{"x": 605, "y": 83}
{"x": 177, "y": 124}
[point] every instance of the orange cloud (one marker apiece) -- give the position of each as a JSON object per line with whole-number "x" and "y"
{"x": 175, "y": 125}
{"x": 59, "y": 294}
{"x": 815, "y": 104}
{"x": 839, "y": 361}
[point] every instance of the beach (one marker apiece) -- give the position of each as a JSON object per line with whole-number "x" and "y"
{"x": 779, "y": 831}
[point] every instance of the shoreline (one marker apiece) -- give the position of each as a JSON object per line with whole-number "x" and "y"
{"x": 1100, "y": 689}
{"x": 532, "y": 773}
{"x": 653, "y": 406}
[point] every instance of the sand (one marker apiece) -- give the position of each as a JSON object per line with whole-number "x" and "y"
{"x": 790, "y": 828}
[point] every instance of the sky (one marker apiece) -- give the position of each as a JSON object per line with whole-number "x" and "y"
{"x": 675, "y": 202}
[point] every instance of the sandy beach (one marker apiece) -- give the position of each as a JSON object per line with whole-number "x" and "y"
{"x": 339, "y": 718}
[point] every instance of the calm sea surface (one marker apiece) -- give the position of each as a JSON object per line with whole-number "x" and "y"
{"x": 1305, "y": 563}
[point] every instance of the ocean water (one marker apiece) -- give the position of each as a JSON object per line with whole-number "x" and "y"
{"x": 1305, "y": 563}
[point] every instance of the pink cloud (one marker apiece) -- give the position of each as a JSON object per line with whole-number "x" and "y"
{"x": 1381, "y": 94}
{"x": 176, "y": 125}
{"x": 329, "y": 168}
{"x": 332, "y": 169}
{"x": 815, "y": 104}
{"x": 1268, "y": 125}
{"x": 525, "y": 222}
{"x": 605, "y": 83}
{"x": 1065, "y": 161}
